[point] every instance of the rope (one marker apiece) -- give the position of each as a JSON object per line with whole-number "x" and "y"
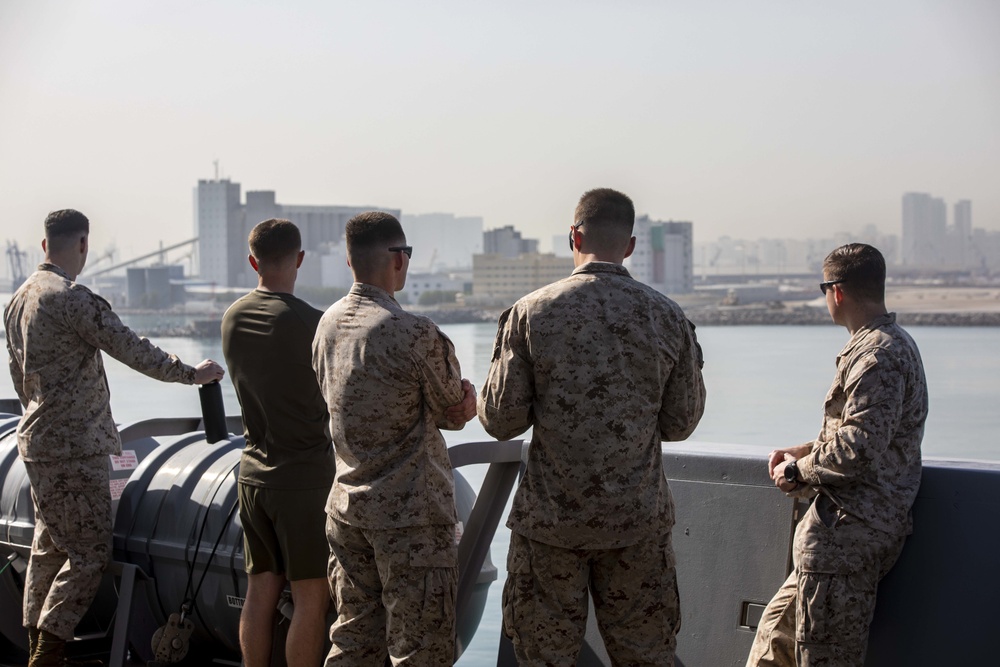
{"x": 188, "y": 601}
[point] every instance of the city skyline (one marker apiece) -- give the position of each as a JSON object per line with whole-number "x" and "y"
{"x": 756, "y": 121}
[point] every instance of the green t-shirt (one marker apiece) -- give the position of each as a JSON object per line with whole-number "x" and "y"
{"x": 267, "y": 340}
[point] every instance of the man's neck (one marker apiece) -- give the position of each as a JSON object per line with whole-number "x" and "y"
{"x": 69, "y": 268}
{"x": 863, "y": 316}
{"x": 580, "y": 258}
{"x": 276, "y": 284}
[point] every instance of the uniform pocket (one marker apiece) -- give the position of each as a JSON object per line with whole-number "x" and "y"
{"x": 518, "y": 590}
{"x": 434, "y": 548}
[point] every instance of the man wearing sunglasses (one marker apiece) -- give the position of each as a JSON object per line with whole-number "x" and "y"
{"x": 604, "y": 368}
{"x": 391, "y": 381}
{"x": 863, "y": 471}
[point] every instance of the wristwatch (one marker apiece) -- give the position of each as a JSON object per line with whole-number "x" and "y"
{"x": 791, "y": 473}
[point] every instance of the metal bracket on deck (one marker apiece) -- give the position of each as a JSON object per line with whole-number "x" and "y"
{"x": 123, "y": 615}
{"x": 505, "y": 462}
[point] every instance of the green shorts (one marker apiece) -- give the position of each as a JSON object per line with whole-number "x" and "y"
{"x": 284, "y": 531}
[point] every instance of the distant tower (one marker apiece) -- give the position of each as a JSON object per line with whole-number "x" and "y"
{"x": 925, "y": 227}
{"x": 218, "y": 224}
{"x": 507, "y": 242}
{"x": 963, "y": 232}
{"x": 663, "y": 257}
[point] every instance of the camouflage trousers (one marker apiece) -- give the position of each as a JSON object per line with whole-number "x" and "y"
{"x": 821, "y": 614}
{"x": 72, "y": 542}
{"x": 395, "y": 593}
{"x": 634, "y": 589}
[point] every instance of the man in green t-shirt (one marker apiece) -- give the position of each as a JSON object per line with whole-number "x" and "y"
{"x": 287, "y": 467}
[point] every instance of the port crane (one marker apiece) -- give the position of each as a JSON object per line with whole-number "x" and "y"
{"x": 15, "y": 262}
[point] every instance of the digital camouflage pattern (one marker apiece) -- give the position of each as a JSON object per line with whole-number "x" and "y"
{"x": 604, "y": 368}
{"x": 866, "y": 467}
{"x": 867, "y": 455}
{"x": 820, "y": 616}
{"x": 413, "y": 572}
{"x": 387, "y": 376}
{"x": 72, "y": 541}
{"x": 635, "y": 598}
{"x": 56, "y": 330}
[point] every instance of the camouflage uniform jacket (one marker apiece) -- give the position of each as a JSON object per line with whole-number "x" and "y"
{"x": 604, "y": 368}
{"x": 56, "y": 330}
{"x": 387, "y": 376}
{"x": 867, "y": 455}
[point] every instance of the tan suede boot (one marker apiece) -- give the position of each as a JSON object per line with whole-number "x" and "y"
{"x": 32, "y": 641}
{"x": 50, "y": 651}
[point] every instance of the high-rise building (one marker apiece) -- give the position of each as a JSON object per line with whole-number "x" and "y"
{"x": 218, "y": 223}
{"x": 663, "y": 257}
{"x": 223, "y": 223}
{"x": 925, "y": 228}
{"x": 963, "y": 232}
{"x": 443, "y": 240}
{"x": 507, "y": 242}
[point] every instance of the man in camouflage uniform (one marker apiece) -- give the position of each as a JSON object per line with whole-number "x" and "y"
{"x": 864, "y": 471}
{"x": 286, "y": 468}
{"x": 56, "y": 330}
{"x": 389, "y": 377}
{"x": 604, "y": 368}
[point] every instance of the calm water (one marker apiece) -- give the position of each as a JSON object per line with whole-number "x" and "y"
{"x": 765, "y": 387}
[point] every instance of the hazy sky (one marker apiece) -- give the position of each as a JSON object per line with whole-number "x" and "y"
{"x": 752, "y": 119}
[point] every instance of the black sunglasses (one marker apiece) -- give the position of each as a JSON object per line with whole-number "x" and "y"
{"x": 826, "y": 285}
{"x": 408, "y": 249}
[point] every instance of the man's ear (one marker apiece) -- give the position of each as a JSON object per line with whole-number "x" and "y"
{"x": 298, "y": 262}
{"x": 838, "y": 294}
{"x": 253, "y": 262}
{"x": 45, "y": 246}
{"x": 631, "y": 247}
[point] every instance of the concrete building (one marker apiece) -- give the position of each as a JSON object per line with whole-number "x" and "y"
{"x": 664, "y": 255}
{"x": 218, "y": 224}
{"x": 420, "y": 283}
{"x": 507, "y": 279}
{"x": 443, "y": 241}
{"x": 925, "y": 227}
{"x": 155, "y": 287}
{"x": 962, "y": 232}
{"x": 223, "y": 223}
{"x": 334, "y": 271}
{"x": 507, "y": 242}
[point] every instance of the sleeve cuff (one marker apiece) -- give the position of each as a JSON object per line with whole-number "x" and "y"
{"x": 807, "y": 469}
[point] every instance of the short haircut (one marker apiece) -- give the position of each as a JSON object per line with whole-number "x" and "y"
{"x": 861, "y": 270}
{"x": 274, "y": 240}
{"x": 607, "y": 217}
{"x": 369, "y": 232}
{"x": 64, "y": 228}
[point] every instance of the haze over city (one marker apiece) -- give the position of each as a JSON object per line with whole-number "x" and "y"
{"x": 751, "y": 120}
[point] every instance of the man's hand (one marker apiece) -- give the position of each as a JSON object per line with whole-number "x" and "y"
{"x": 778, "y": 456}
{"x": 778, "y": 475}
{"x": 460, "y": 413}
{"x": 208, "y": 371}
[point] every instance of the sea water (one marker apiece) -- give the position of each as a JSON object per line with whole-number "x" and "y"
{"x": 766, "y": 386}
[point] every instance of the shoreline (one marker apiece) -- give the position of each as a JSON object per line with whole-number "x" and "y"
{"x": 756, "y": 315}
